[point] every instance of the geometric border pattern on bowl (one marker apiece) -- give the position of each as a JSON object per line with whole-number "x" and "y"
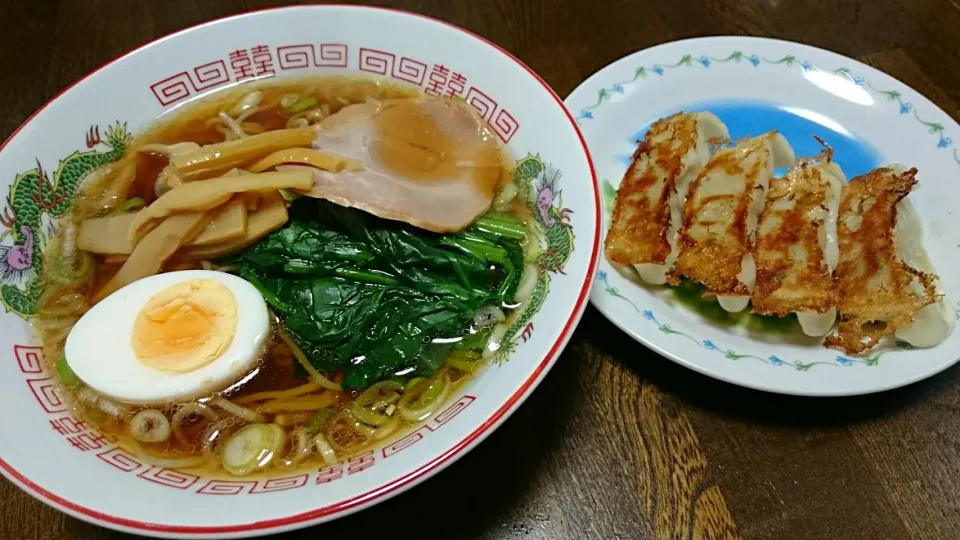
{"x": 166, "y": 91}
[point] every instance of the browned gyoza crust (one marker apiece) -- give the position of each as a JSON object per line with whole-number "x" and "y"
{"x": 641, "y": 213}
{"x": 873, "y": 280}
{"x": 712, "y": 250}
{"x": 790, "y": 226}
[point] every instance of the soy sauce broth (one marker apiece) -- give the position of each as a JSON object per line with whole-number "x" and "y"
{"x": 278, "y": 369}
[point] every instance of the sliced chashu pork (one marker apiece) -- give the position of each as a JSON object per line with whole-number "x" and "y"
{"x": 429, "y": 162}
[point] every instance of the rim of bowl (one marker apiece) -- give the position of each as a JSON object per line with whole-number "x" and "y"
{"x": 409, "y": 479}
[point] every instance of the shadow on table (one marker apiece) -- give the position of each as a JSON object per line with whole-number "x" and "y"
{"x": 764, "y": 407}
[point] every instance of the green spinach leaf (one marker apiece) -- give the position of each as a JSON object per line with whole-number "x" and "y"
{"x": 374, "y": 298}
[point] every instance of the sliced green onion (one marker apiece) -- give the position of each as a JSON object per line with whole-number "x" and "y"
{"x": 252, "y": 448}
{"x": 506, "y": 196}
{"x": 412, "y": 382}
{"x": 388, "y": 429}
{"x": 150, "y": 426}
{"x": 367, "y": 416}
{"x": 476, "y": 340}
{"x": 302, "y": 105}
{"x": 466, "y": 366}
{"x": 420, "y": 403}
{"x": 464, "y": 360}
{"x": 366, "y": 408}
{"x": 432, "y": 392}
{"x": 318, "y": 418}
{"x": 402, "y": 381}
{"x": 69, "y": 276}
{"x": 68, "y": 378}
{"x": 346, "y": 435}
{"x": 129, "y": 205}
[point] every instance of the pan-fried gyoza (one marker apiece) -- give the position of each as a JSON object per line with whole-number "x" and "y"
{"x": 808, "y": 243}
{"x": 649, "y": 206}
{"x": 797, "y": 250}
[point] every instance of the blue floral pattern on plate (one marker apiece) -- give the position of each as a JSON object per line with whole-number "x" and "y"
{"x": 739, "y": 57}
{"x": 772, "y": 360}
{"x": 699, "y": 336}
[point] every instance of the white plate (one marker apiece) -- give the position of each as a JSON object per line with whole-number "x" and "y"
{"x": 754, "y": 85}
{"x": 70, "y": 466}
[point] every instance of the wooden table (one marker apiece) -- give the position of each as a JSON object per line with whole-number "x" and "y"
{"x": 617, "y": 442}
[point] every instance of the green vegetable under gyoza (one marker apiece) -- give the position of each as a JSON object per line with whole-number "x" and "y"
{"x": 375, "y": 299}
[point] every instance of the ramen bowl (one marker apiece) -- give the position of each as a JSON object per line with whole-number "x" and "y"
{"x": 74, "y": 465}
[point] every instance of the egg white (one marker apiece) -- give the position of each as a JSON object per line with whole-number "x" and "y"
{"x": 99, "y": 348}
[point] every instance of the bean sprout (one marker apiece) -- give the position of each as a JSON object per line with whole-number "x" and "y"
{"x": 506, "y": 196}
{"x": 288, "y": 100}
{"x": 170, "y": 150}
{"x": 242, "y": 119}
{"x": 301, "y": 447}
{"x": 528, "y": 282}
{"x": 326, "y": 451}
{"x": 302, "y": 358}
{"x": 290, "y": 419}
{"x": 247, "y": 114}
{"x": 166, "y": 463}
{"x": 210, "y": 438}
{"x": 232, "y": 125}
{"x": 495, "y": 341}
{"x": 249, "y": 102}
{"x": 297, "y": 123}
{"x": 227, "y": 134}
{"x": 104, "y": 404}
{"x": 182, "y": 413}
{"x": 315, "y": 115}
{"x": 279, "y": 394}
{"x": 237, "y": 410}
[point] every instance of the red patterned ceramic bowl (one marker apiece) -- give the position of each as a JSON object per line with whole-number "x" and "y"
{"x": 72, "y": 466}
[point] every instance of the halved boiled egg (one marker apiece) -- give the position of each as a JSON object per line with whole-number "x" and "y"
{"x": 170, "y": 338}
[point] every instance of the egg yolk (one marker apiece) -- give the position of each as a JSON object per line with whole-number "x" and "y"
{"x": 186, "y": 326}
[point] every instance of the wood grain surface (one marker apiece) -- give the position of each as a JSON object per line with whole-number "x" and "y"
{"x": 617, "y": 443}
